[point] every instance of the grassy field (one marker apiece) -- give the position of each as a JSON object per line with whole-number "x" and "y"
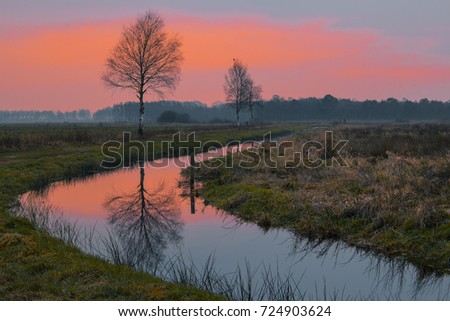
{"x": 36, "y": 266}
{"x": 393, "y": 198}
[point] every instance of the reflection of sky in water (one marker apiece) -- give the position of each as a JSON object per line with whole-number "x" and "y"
{"x": 344, "y": 271}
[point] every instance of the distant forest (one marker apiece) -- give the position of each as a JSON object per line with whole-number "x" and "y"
{"x": 277, "y": 109}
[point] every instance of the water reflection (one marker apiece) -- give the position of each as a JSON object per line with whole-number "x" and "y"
{"x": 143, "y": 226}
{"x": 192, "y": 182}
{"x": 387, "y": 278}
{"x": 189, "y": 185}
{"x": 144, "y": 222}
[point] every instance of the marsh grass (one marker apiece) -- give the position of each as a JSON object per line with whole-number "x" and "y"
{"x": 393, "y": 197}
{"x": 21, "y": 137}
{"x": 243, "y": 284}
{"x": 47, "y": 218}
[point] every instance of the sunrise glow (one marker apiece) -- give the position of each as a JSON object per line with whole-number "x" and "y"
{"x": 58, "y": 65}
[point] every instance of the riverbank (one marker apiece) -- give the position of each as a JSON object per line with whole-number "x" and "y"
{"x": 36, "y": 266}
{"x": 393, "y": 198}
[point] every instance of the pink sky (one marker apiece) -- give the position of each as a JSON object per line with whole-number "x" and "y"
{"x": 58, "y": 66}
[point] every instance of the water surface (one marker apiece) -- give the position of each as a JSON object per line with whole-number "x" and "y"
{"x": 327, "y": 270}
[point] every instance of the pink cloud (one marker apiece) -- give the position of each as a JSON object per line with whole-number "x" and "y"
{"x": 60, "y": 67}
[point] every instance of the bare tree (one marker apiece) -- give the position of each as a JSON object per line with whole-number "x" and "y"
{"x": 235, "y": 86}
{"x": 253, "y": 95}
{"x": 146, "y": 58}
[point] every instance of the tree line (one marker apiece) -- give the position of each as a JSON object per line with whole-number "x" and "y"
{"x": 277, "y": 109}
{"x": 24, "y": 116}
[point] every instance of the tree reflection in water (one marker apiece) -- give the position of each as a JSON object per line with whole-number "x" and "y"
{"x": 144, "y": 223}
{"x": 188, "y": 184}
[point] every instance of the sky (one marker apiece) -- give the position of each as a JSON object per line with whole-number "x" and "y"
{"x": 53, "y": 53}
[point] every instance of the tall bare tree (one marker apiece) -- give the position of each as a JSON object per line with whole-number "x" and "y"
{"x": 253, "y": 96}
{"x": 235, "y": 86}
{"x": 146, "y": 58}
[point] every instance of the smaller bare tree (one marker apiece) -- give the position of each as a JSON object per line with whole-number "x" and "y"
{"x": 236, "y": 86}
{"x": 145, "y": 59}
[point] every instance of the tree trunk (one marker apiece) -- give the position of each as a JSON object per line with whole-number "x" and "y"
{"x": 237, "y": 118}
{"x": 251, "y": 114}
{"x": 141, "y": 115}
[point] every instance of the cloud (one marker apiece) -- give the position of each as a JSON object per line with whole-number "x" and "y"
{"x": 60, "y": 66}
{"x": 313, "y": 58}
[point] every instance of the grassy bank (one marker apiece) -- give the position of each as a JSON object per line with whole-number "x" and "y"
{"x": 37, "y": 266}
{"x": 393, "y": 198}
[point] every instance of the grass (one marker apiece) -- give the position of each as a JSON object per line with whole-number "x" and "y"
{"x": 393, "y": 198}
{"x": 36, "y": 266}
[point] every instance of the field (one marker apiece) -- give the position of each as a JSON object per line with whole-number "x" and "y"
{"x": 392, "y": 198}
{"x": 37, "y": 266}
{"x": 391, "y": 195}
